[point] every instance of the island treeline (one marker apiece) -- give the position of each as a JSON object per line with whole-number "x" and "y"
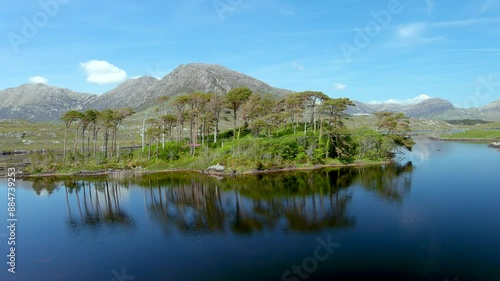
{"x": 240, "y": 130}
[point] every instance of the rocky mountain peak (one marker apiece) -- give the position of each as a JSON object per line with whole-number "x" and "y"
{"x": 130, "y": 93}
{"x": 194, "y": 77}
{"x": 40, "y": 102}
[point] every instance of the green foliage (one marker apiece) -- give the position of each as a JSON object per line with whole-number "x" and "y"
{"x": 397, "y": 127}
{"x": 306, "y": 128}
{"x": 42, "y": 162}
{"x": 475, "y": 134}
{"x": 257, "y": 126}
{"x": 172, "y": 151}
{"x": 468, "y": 122}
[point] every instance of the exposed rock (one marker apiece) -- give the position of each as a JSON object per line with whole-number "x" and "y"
{"x": 39, "y": 102}
{"x": 217, "y": 168}
{"x": 208, "y": 78}
{"x": 131, "y": 93}
{"x": 430, "y": 108}
{"x": 495, "y": 144}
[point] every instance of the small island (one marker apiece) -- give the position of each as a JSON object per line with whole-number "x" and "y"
{"x": 239, "y": 132}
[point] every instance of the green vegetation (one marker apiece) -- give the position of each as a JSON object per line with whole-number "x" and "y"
{"x": 475, "y": 134}
{"x": 486, "y": 126}
{"x": 300, "y": 130}
{"x": 19, "y": 134}
{"x": 468, "y": 122}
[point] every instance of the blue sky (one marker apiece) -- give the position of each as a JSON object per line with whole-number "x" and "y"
{"x": 367, "y": 50}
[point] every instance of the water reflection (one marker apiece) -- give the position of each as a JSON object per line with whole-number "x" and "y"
{"x": 98, "y": 203}
{"x": 301, "y": 201}
{"x": 48, "y": 184}
{"x": 391, "y": 182}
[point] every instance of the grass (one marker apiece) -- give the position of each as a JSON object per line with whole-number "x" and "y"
{"x": 475, "y": 134}
{"x": 487, "y": 126}
{"x": 416, "y": 124}
{"x": 25, "y": 135}
{"x": 19, "y": 135}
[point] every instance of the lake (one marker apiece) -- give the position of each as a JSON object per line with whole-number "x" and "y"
{"x": 436, "y": 218}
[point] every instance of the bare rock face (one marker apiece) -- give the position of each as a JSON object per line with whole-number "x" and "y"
{"x": 493, "y": 107}
{"x": 429, "y": 107}
{"x": 208, "y": 78}
{"x": 39, "y": 102}
{"x": 131, "y": 93}
{"x": 185, "y": 79}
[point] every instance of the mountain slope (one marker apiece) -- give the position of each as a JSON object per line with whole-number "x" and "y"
{"x": 40, "y": 102}
{"x": 208, "y": 78}
{"x": 491, "y": 111}
{"x": 131, "y": 93}
{"x": 433, "y": 108}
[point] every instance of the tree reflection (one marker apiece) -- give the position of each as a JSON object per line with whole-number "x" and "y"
{"x": 300, "y": 201}
{"x": 48, "y": 183}
{"x": 98, "y": 203}
{"x": 190, "y": 205}
{"x": 304, "y": 201}
{"x": 391, "y": 182}
{"x": 248, "y": 204}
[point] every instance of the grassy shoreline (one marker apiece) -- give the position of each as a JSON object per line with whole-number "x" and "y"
{"x": 473, "y": 136}
{"x": 477, "y": 140}
{"x": 141, "y": 172}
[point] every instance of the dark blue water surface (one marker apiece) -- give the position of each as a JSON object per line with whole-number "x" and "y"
{"x": 437, "y": 218}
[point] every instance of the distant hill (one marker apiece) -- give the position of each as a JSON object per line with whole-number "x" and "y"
{"x": 208, "y": 78}
{"x": 39, "y": 102}
{"x": 131, "y": 93}
{"x": 490, "y": 111}
{"x": 433, "y": 108}
{"x": 185, "y": 79}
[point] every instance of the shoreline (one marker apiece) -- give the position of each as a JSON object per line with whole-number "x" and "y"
{"x": 485, "y": 140}
{"x": 102, "y": 173}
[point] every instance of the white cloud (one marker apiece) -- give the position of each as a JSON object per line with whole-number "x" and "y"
{"x": 411, "y": 30}
{"x": 476, "y": 21}
{"x": 339, "y": 86}
{"x": 418, "y": 99}
{"x": 102, "y": 72}
{"x": 416, "y": 29}
{"x": 421, "y": 33}
{"x": 297, "y": 66}
{"x": 39, "y": 79}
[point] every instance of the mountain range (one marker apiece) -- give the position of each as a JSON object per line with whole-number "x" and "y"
{"x": 40, "y": 102}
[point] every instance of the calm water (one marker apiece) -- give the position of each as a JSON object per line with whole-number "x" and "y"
{"x": 437, "y": 219}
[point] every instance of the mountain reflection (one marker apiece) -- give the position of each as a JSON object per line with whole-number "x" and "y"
{"x": 300, "y": 201}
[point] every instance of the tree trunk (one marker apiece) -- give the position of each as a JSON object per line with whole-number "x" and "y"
{"x": 95, "y": 140}
{"x": 157, "y": 147}
{"x": 320, "y": 129}
{"x": 65, "y": 139}
{"x": 163, "y": 136}
{"x": 76, "y": 141}
{"x": 234, "y": 123}
{"x": 106, "y": 138}
{"x": 149, "y": 149}
{"x": 216, "y": 130}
